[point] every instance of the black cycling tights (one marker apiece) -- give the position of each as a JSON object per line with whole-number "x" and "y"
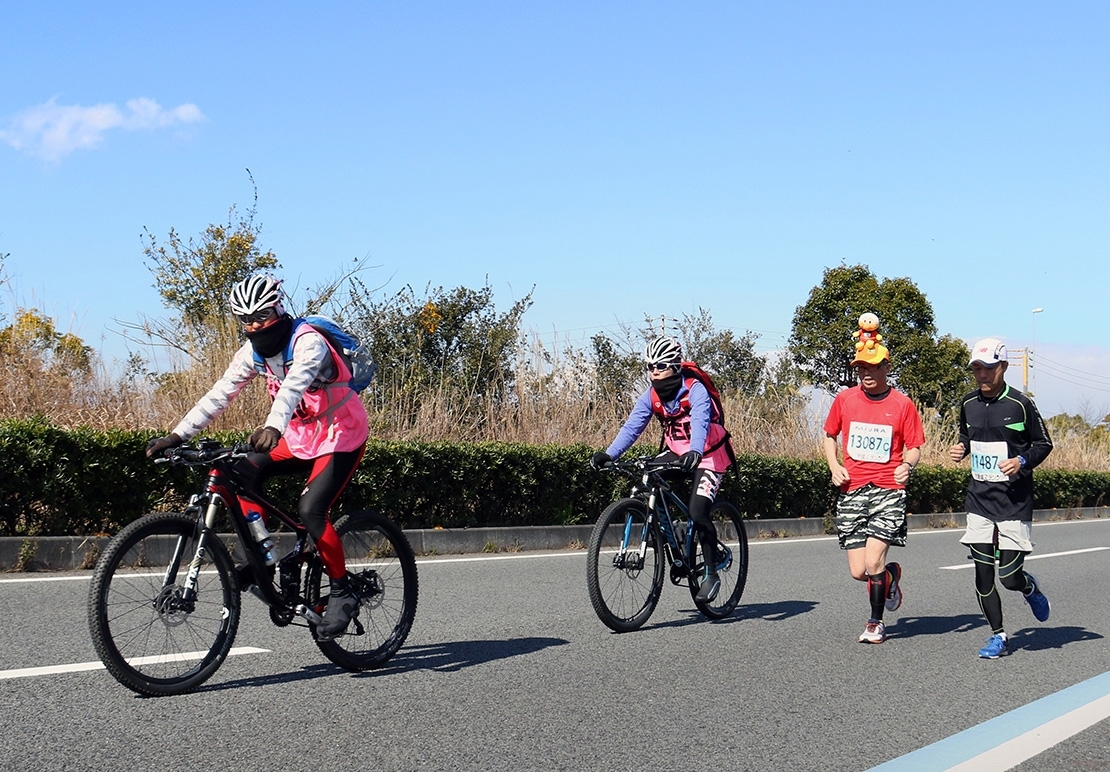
{"x": 703, "y": 524}
{"x": 1010, "y": 572}
{"x": 703, "y": 493}
{"x": 328, "y": 475}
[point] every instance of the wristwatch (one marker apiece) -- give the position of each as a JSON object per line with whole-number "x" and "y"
{"x": 1022, "y": 461}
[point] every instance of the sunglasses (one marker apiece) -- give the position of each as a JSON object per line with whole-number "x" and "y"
{"x": 657, "y": 367}
{"x": 257, "y": 316}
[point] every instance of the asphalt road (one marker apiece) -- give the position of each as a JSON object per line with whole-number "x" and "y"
{"x": 507, "y": 667}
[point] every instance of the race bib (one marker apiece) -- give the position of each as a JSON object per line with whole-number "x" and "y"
{"x": 985, "y": 458}
{"x": 869, "y": 442}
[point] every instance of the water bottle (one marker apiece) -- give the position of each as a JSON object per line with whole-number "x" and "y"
{"x": 262, "y": 536}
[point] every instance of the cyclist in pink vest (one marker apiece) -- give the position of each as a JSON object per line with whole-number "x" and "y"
{"x": 316, "y": 423}
{"x": 694, "y": 434}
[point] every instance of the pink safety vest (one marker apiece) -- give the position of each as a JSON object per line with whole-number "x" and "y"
{"x": 330, "y": 418}
{"x": 718, "y": 455}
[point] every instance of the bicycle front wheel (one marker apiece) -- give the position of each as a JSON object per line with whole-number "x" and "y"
{"x": 382, "y": 566}
{"x": 150, "y": 636}
{"x": 732, "y": 562}
{"x": 624, "y": 566}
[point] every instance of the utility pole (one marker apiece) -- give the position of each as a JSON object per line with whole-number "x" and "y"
{"x": 1033, "y": 348}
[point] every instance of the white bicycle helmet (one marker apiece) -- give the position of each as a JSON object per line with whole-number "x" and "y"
{"x": 255, "y": 294}
{"x": 664, "y": 350}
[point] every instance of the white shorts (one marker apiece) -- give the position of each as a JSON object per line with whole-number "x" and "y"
{"x": 1012, "y": 534}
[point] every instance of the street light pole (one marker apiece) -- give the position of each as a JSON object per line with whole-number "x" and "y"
{"x": 1032, "y": 349}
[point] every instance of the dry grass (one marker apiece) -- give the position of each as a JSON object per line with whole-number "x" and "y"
{"x": 545, "y": 406}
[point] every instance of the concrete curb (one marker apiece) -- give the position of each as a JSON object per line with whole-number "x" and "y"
{"x": 73, "y": 553}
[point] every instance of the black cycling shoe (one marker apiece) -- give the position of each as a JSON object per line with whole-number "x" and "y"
{"x": 710, "y": 586}
{"x": 341, "y": 607}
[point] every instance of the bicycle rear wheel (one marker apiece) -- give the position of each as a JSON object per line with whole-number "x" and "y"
{"x": 732, "y": 562}
{"x": 149, "y": 637}
{"x": 624, "y": 566}
{"x": 382, "y": 566}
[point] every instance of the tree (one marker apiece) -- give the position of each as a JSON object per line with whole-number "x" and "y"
{"x": 731, "y": 360}
{"x": 196, "y": 279}
{"x": 451, "y": 342}
{"x": 33, "y": 340}
{"x": 3, "y": 280}
{"x": 1065, "y": 426}
{"x": 929, "y": 369}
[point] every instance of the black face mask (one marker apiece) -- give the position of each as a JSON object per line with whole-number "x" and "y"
{"x": 270, "y": 341}
{"x": 667, "y": 387}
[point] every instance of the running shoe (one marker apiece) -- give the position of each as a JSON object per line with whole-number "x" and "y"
{"x": 994, "y": 649}
{"x": 874, "y": 632}
{"x": 1038, "y": 603}
{"x": 894, "y": 592}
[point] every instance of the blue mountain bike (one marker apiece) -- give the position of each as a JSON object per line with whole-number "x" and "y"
{"x": 635, "y": 537}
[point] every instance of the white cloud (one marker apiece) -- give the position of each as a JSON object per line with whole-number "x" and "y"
{"x": 53, "y": 131}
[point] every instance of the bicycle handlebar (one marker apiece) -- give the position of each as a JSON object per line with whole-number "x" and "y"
{"x": 203, "y": 453}
{"x": 641, "y": 464}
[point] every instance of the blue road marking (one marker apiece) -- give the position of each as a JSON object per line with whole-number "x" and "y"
{"x": 969, "y": 743}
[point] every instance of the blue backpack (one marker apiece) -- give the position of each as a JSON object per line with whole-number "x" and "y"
{"x": 355, "y": 354}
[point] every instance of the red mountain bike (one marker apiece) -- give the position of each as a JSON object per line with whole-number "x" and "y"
{"x": 165, "y": 597}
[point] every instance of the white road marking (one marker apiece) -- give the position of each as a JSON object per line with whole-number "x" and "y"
{"x": 77, "y": 667}
{"x": 1012, "y": 738}
{"x": 969, "y": 564}
{"x": 1023, "y": 747}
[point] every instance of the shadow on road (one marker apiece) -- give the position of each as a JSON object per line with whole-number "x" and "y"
{"x": 443, "y": 657}
{"x": 1041, "y": 638}
{"x": 911, "y": 627}
{"x": 771, "y": 612}
{"x": 1031, "y": 638}
{"x": 449, "y": 657}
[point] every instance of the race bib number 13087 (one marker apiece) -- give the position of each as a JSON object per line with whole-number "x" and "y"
{"x": 869, "y": 442}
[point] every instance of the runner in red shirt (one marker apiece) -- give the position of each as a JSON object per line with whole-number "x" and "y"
{"x": 880, "y": 432}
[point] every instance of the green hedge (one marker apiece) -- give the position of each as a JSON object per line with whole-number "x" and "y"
{"x": 79, "y": 482}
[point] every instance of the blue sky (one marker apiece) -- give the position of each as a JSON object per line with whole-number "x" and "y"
{"x": 624, "y": 158}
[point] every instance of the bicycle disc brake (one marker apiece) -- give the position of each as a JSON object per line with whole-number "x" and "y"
{"x": 369, "y": 588}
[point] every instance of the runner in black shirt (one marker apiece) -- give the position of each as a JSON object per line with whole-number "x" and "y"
{"x": 1002, "y": 431}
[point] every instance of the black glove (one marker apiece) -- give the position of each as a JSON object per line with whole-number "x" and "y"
{"x": 159, "y": 445}
{"x": 265, "y": 439}
{"x": 600, "y": 459}
{"x": 689, "y": 461}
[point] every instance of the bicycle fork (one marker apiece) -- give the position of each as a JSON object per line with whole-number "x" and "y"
{"x": 189, "y": 586}
{"x": 633, "y": 560}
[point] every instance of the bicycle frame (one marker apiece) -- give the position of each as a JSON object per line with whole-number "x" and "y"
{"x": 222, "y": 490}
{"x": 661, "y": 501}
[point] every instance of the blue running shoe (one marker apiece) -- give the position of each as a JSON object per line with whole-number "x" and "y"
{"x": 994, "y": 649}
{"x": 1038, "y": 603}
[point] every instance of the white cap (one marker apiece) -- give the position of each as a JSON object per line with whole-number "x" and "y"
{"x": 989, "y": 351}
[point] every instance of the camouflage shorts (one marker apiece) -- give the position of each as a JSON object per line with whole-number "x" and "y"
{"x": 871, "y": 511}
